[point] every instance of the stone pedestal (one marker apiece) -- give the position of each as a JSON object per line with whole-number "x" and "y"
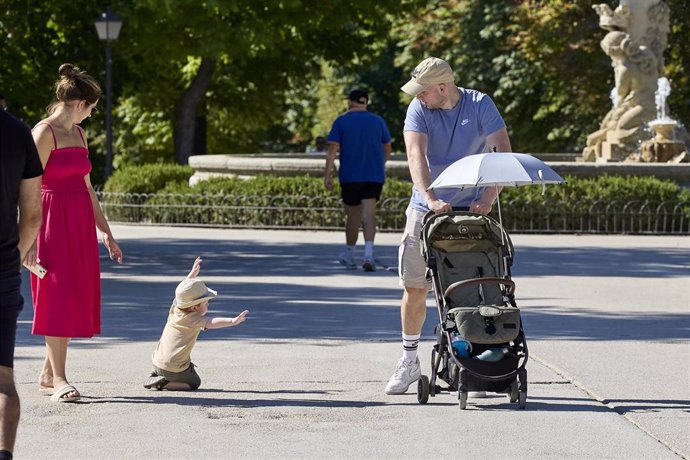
{"x": 663, "y": 147}
{"x": 660, "y": 152}
{"x": 613, "y": 151}
{"x": 663, "y": 130}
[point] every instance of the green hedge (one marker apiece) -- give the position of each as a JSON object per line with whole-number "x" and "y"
{"x": 303, "y": 201}
{"x": 147, "y": 178}
{"x": 173, "y": 178}
{"x": 604, "y": 188}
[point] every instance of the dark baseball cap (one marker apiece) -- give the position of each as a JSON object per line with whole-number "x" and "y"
{"x": 358, "y": 95}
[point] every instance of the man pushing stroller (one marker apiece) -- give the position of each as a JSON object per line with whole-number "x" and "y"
{"x": 443, "y": 124}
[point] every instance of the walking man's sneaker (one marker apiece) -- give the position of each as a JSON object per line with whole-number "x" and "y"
{"x": 406, "y": 373}
{"x": 348, "y": 260}
{"x": 368, "y": 265}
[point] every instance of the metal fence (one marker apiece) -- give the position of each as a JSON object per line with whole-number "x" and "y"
{"x": 326, "y": 213}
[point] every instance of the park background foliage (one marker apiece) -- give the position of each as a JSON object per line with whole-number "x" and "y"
{"x": 160, "y": 193}
{"x": 262, "y": 76}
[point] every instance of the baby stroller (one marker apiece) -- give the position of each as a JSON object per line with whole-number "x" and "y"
{"x": 480, "y": 343}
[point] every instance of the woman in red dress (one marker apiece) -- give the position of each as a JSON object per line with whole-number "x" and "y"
{"x": 67, "y": 300}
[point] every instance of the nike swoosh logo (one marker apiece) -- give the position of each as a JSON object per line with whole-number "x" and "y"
{"x": 464, "y": 122}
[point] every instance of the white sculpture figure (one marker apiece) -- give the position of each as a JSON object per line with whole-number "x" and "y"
{"x": 613, "y": 20}
{"x": 635, "y": 74}
{"x": 635, "y": 44}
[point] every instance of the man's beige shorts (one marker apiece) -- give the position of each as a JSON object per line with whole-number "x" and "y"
{"x": 411, "y": 265}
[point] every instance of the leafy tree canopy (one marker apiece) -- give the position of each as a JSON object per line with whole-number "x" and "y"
{"x": 271, "y": 75}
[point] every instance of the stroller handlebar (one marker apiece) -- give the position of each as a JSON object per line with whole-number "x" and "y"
{"x": 506, "y": 282}
{"x": 429, "y": 214}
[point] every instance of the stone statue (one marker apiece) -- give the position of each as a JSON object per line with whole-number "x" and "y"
{"x": 635, "y": 73}
{"x": 636, "y": 40}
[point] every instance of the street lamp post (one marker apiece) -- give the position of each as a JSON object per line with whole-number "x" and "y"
{"x": 108, "y": 26}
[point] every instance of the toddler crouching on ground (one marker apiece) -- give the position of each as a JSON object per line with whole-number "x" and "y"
{"x": 173, "y": 368}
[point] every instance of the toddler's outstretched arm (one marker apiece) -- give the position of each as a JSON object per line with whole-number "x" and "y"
{"x": 196, "y": 268}
{"x": 217, "y": 323}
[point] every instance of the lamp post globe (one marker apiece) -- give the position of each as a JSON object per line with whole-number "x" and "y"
{"x": 108, "y": 26}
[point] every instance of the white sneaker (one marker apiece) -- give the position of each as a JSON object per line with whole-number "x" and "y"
{"x": 477, "y": 394}
{"x": 405, "y": 374}
{"x": 347, "y": 259}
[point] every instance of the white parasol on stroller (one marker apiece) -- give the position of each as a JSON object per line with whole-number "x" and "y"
{"x": 500, "y": 169}
{"x": 497, "y": 169}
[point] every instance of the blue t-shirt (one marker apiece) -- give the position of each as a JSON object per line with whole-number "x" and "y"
{"x": 361, "y": 136}
{"x": 453, "y": 134}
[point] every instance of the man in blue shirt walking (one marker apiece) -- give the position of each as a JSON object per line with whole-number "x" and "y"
{"x": 365, "y": 145}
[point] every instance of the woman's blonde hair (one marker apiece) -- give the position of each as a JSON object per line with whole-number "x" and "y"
{"x": 74, "y": 85}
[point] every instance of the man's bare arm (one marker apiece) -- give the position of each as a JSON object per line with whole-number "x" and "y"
{"x": 499, "y": 141}
{"x": 387, "y": 151}
{"x": 30, "y": 213}
{"x": 415, "y": 144}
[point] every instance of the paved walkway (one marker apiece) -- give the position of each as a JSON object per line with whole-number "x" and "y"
{"x": 606, "y": 318}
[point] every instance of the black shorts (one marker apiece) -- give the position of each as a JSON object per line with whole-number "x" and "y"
{"x": 354, "y": 192}
{"x": 11, "y": 304}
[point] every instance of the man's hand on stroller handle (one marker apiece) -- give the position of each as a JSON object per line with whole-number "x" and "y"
{"x": 439, "y": 206}
{"x": 480, "y": 207}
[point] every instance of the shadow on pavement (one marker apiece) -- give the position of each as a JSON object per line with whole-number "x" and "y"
{"x": 543, "y": 323}
{"x": 290, "y": 305}
{"x": 167, "y": 257}
{"x": 595, "y": 262}
{"x": 222, "y": 401}
{"x": 648, "y": 405}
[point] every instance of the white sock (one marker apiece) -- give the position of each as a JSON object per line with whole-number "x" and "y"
{"x": 369, "y": 249}
{"x": 350, "y": 249}
{"x": 410, "y": 343}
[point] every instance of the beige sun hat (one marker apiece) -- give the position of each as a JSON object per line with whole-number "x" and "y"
{"x": 192, "y": 291}
{"x": 429, "y": 72}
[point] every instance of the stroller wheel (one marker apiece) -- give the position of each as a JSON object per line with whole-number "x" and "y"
{"x": 522, "y": 400}
{"x": 462, "y": 396}
{"x": 513, "y": 394}
{"x": 423, "y": 389}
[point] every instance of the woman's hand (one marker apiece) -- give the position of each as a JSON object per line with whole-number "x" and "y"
{"x": 113, "y": 248}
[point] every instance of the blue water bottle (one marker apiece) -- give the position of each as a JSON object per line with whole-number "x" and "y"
{"x": 493, "y": 354}
{"x": 462, "y": 347}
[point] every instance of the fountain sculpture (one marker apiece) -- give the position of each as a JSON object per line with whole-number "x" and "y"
{"x": 636, "y": 41}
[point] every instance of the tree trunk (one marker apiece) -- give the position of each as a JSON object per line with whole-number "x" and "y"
{"x": 186, "y": 113}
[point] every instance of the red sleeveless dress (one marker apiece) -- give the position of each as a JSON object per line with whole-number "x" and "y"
{"x": 67, "y": 301}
